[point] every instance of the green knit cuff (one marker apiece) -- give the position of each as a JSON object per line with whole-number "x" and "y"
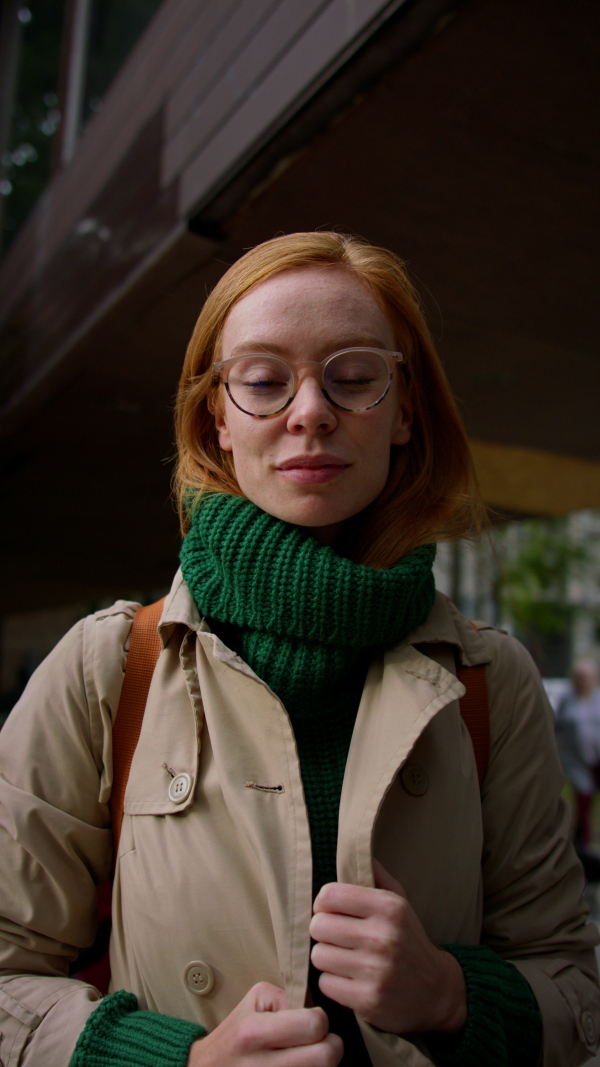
{"x": 118, "y": 1035}
{"x": 504, "y": 1024}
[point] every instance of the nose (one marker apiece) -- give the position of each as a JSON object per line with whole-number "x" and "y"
{"x": 310, "y": 409}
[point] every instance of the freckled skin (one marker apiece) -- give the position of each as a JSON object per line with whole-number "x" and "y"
{"x": 306, "y": 315}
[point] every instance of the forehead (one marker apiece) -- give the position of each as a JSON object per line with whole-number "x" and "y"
{"x": 319, "y": 305}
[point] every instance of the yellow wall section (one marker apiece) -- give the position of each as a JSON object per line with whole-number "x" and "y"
{"x": 535, "y": 482}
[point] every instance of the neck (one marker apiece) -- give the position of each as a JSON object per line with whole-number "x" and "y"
{"x": 325, "y": 535}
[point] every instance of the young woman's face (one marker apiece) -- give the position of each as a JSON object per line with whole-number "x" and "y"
{"x": 313, "y": 464}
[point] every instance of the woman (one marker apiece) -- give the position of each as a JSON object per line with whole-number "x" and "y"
{"x": 327, "y": 842}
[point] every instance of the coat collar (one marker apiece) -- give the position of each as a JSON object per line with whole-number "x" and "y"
{"x": 179, "y": 609}
{"x": 445, "y": 625}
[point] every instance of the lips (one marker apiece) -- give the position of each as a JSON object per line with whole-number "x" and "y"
{"x": 312, "y": 469}
{"x": 317, "y": 462}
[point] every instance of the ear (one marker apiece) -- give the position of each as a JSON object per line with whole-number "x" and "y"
{"x": 402, "y": 426}
{"x": 223, "y": 430}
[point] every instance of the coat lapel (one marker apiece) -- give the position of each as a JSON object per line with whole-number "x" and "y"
{"x": 403, "y": 692}
{"x": 254, "y": 748}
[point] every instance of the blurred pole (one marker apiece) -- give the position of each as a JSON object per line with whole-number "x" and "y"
{"x": 77, "y": 37}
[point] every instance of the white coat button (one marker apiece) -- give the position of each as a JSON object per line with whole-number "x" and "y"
{"x": 589, "y": 1026}
{"x": 199, "y": 978}
{"x": 180, "y": 787}
{"x": 414, "y": 779}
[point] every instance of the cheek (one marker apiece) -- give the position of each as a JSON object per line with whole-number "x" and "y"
{"x": 380, "y": 469}
{"x": 251, "y": 440}
{"x": 376, "y": 449}
{"x": 376, "y": 439}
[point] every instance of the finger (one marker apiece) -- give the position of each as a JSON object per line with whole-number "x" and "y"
{"x": 332, "y": 1050}
{"x": 343, "y": 899}
{"x": 336, "y": 1049}
{"x": 340, "y": 961}
{"x": 385, "y": 880}
{"x": 342, "y": 930}
{"x": 328, "y": 1053}
{"x": 345, "y": 991}
{"x": 266, "y": 997}
{"x": 290, "y": 1028}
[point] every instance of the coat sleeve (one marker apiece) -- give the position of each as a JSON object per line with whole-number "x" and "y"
{"x": 534, "y": 913}
{"x": 55, "y": 838}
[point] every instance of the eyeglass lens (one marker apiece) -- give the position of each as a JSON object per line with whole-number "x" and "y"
{"x": 263, "y": 384}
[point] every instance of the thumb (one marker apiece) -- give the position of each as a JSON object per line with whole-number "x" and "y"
{"x": 267, "y": 997}
{"x": 385, "y": 880}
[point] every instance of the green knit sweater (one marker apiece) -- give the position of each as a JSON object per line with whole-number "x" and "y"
{"x": 118, "y": 1035}
{"x": 307, "y": 621}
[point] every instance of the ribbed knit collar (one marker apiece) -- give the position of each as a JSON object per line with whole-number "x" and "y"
{"x": 248, "y": 569}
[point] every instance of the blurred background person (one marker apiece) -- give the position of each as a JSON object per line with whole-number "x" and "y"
{"x": 578, "y": 738}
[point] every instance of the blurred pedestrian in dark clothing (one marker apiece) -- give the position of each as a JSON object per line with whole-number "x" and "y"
{"x": 578, "y": 739}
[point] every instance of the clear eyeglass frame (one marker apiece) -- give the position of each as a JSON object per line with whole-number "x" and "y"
{"x": 221, "y": 374}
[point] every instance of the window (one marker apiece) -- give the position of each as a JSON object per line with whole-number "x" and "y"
{"x": 57, "y": 60}
{"x": 32, "y": 46}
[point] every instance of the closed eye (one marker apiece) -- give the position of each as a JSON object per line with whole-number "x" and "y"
{"x": 263, "y": 384}
{"x": 353, "y": 381}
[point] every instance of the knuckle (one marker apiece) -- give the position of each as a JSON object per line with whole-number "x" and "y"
{"x": 266, "y": 997}
{"x": 326, "y": 894}
{"x": 318, "y": 1024}
{"x": 378, "y": 939}
{"x": 333, "y": 1047}
{"x": 388, "y": 931}
{"x": 370, "y": 1001}
{"x": 317, "y": 956}
{"x": 326, "y": 984}
{"x": 262, "y": 988}
{"x": 249, "y": 1033}
{"x": 316, "y": 925}
{"x": 373, "y": 940}
{"x": 370, "y": 1005}
{"x": 395, "y": 908}
{"x": 319, "y": 924}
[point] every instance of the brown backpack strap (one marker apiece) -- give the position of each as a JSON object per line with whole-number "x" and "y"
{"x": 144, "y": 650}
{"x": 475, "y": 711}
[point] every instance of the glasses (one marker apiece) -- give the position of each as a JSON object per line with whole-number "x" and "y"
{"x": 262, "y": 385}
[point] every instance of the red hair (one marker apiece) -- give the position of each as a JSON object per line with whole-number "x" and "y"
{"x": 431, "y": 492}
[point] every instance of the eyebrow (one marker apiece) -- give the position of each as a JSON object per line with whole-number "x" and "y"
{"x": 334, "y": 346}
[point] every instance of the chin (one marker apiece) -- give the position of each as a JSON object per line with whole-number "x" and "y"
{"x": 310, "y": 513}
{"x": 323, "y": 527}
{"x": 315, "y": 511}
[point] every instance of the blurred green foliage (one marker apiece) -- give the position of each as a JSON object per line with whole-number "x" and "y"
{"x": 533, "y": 583}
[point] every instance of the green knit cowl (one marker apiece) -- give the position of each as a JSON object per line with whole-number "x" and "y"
{"x": 307, "y": 621}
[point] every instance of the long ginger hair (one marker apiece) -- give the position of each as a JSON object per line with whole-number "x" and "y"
{"x": 431, "y": 493}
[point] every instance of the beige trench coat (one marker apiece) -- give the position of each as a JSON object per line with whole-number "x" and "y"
{"x": 221, "y": 874}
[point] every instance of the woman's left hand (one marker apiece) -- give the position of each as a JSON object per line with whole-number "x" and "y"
{"x": 376, "y": 958}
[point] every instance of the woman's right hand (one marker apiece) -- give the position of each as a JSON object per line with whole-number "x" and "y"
{"x": 263, "y": 1032}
